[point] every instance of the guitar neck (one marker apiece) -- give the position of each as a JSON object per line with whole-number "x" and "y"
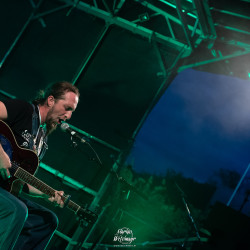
{"x": 41, "y": 186}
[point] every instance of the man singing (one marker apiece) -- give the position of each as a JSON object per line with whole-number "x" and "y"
{"x": 23, "y": 223}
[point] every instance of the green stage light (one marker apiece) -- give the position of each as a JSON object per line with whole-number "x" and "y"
{"x": 167, "y": 3}
{"x": 144, "y": 17}
{"x": 174, "y": 6}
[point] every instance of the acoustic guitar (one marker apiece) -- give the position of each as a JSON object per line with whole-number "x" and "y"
{"x": 24, "y": 164}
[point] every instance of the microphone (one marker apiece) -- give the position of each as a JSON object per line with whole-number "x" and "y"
{"x": 66, "y": 128}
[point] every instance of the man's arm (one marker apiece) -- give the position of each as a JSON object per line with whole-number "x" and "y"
{"x": 3, "y": 112}
{"x": 57, "y": 199}
{"x": 4, "y": 164}
{"x": 4, "y": 158}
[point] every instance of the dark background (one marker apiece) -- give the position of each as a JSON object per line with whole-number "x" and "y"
{"x": 121, "y": 80}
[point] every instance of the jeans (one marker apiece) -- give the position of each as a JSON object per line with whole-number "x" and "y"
{"x": 24, "y": 224}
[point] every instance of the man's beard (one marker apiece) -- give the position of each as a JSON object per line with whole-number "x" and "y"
{"x": 50, "y": 123}
{"x": 50, "y": 126}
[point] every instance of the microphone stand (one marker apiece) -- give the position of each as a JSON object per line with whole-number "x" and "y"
{"x": 132, "y": 188}
{"x": 128, "y": 186}
{"x": 189, "y": 213}
{"x": 75, "y": 145}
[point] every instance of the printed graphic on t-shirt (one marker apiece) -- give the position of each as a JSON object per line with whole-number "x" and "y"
{"x": 27, "y": 137}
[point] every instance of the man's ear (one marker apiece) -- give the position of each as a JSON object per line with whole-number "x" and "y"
{"x": 50, "y": 101}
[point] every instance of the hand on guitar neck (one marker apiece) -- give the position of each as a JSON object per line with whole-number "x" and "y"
{"x": 56, "y": 199}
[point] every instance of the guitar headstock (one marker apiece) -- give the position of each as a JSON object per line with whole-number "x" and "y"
{"x": 87, "y": 215}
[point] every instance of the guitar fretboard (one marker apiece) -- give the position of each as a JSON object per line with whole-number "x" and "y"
{"x": 43, "y": 187}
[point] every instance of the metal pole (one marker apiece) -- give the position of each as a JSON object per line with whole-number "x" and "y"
{"x": 90, "y": 54}
{"x": 7, "y": 94}
{"x": 77, "y": 236}
{"x": 67, "y": 180}
{"x": 221, "y": 58}
{"x": 238, "y": 185}
{"x": 95, "y": 139}
{"x": 184, "y": 23}
{"x": 164, "y": 84}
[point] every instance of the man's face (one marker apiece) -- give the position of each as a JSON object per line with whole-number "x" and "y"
{"x": 60, "y": 110}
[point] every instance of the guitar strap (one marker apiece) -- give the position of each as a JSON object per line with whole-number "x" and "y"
{"x": 38, "y": 133}
{"x": 35, "y": 133}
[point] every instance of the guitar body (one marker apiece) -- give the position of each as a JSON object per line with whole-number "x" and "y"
{"x": 24, "y": 158}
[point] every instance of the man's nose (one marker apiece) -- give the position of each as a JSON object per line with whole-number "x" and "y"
{"x": 68, "y": 115}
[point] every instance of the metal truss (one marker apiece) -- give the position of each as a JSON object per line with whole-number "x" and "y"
{"x": 33, "y": 16}
{"x": 230, "y": 47}
{"x": 194, "y": 19}
{"x": 216, "y": 59}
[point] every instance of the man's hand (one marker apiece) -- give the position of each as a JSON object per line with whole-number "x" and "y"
{"x": 57, "y": 199}
{"x": 5, "y": 164}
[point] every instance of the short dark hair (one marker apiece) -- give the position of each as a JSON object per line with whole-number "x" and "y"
{"x": 57, "y": 90}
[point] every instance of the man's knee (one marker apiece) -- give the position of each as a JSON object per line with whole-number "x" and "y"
{"x": 52, "y": 219}
{"x": 14, "y": 210}
{"x": 12, "y": 218}
{"x": 19, "y": 212}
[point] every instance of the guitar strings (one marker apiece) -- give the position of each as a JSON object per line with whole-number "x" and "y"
{"x": 72, "y": 205}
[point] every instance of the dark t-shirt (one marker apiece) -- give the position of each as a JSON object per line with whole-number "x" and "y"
{"x": 20, "y": 121}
